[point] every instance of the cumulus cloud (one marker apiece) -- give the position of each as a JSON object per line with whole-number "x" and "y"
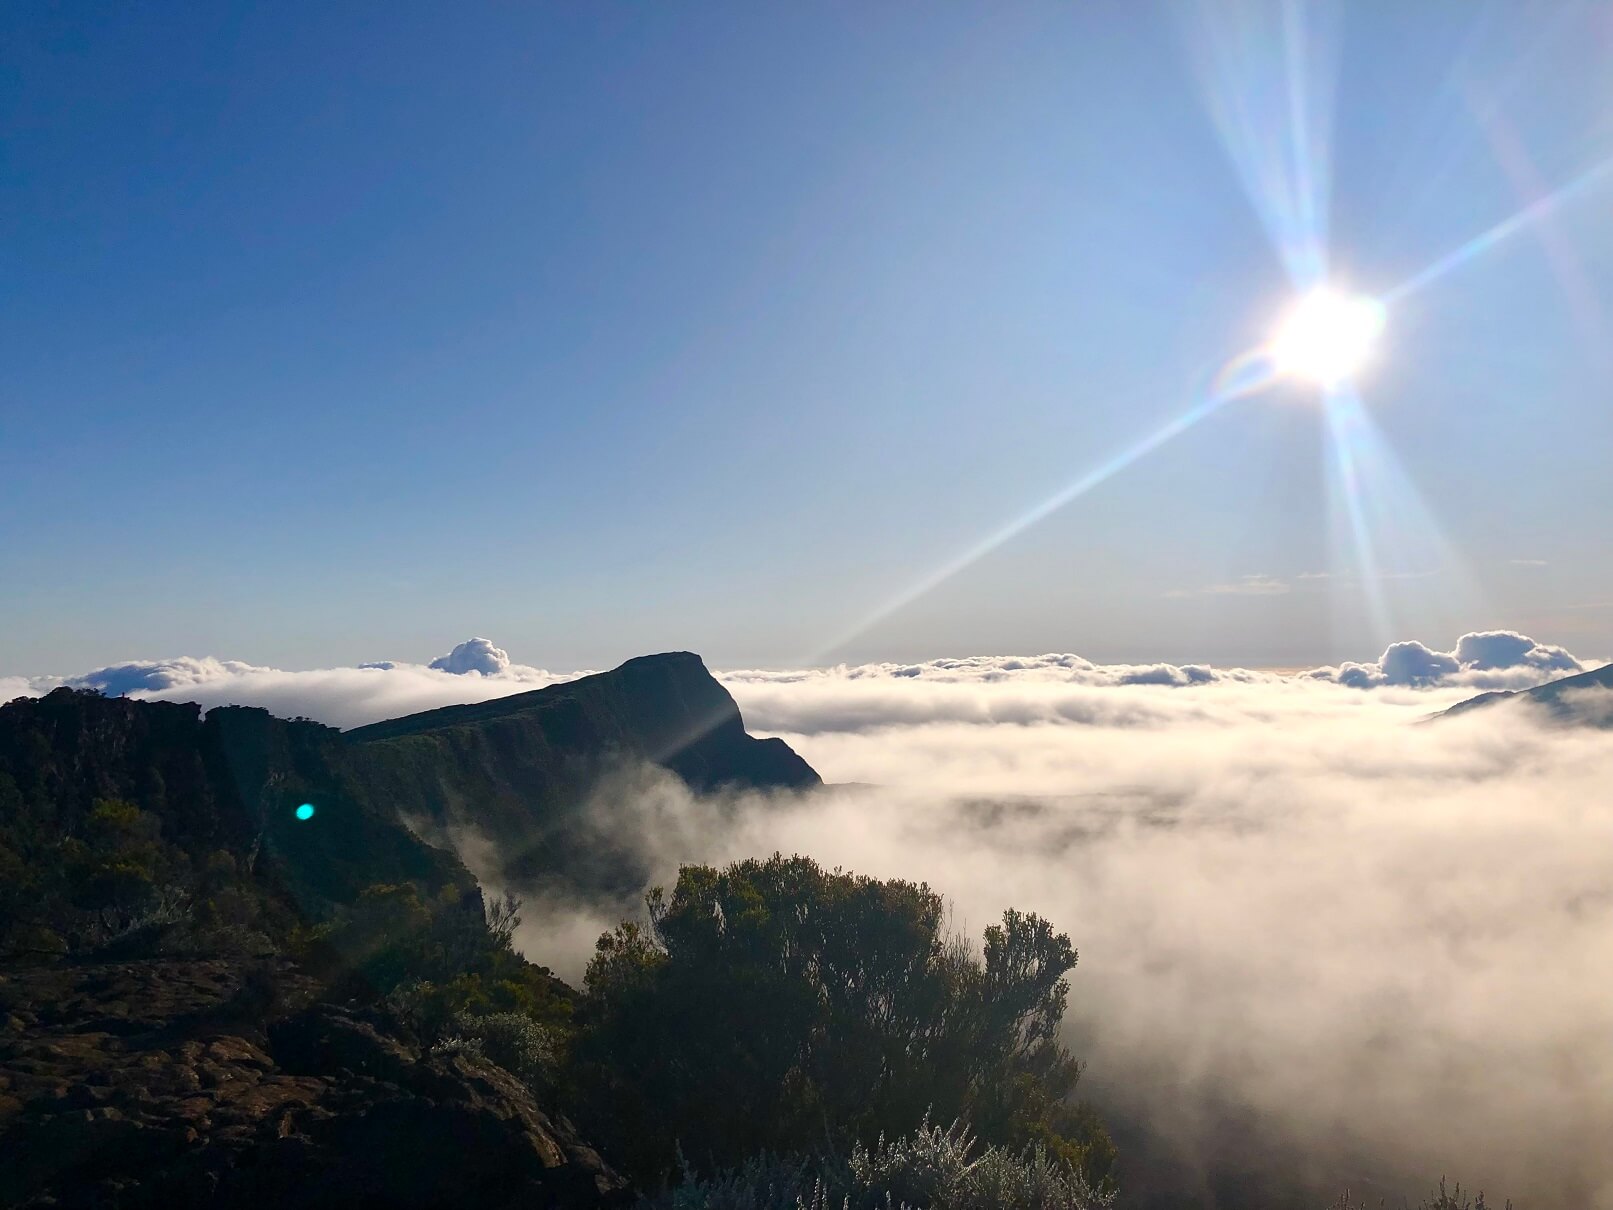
{"x": 1414, "y": 664}
{"x": 1487, "y": 659}
{"x": 157, "y": 677}
{"x": 1493, "y": 649}
{"x": 476, "y": 657}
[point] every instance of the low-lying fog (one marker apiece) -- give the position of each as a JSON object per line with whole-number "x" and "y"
{"x": 1315, "y": 936}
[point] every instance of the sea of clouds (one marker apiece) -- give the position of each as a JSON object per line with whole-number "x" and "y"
{"x": 1324, "y": 942}
{"x": 1322, "y": 939}
{"x": 477, "y": 670}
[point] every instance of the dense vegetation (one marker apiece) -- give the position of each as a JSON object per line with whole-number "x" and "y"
{"x": 935, "y": 1168}
{"x": 121, "y": 818}
{"x": 776, "y": 1006}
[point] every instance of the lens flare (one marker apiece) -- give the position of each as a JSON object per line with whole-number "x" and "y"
{"x": 1327, "y": 337}
{"x": 305, "y": 812}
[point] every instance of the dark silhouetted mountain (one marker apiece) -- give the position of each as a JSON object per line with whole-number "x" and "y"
{"x": 519, "y": 770}
{"x": 1564, "y": 699}
{"x": 229, "y": 782}
{"x": 177, "y": 890}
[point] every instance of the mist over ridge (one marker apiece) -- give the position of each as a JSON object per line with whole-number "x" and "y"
{"x": 1317, "y": 941}
{"x": 478, "y": 670}
{"x": 1357, "y": 944}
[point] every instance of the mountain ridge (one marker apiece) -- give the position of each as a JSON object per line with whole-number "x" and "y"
{"x": 520, "y": 770}
{"x": 1550, "y": 696}
{"x": 387, "y": 798}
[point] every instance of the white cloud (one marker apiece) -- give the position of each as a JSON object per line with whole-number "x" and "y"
{"x": 1481, "y": 660}
{"x": 341, "y": 697}
{"x": 474, "y": 657}
{"x": 1253, "y": 585}
{"x": 1493, "y": 649}
{"x": 477, "y": 670}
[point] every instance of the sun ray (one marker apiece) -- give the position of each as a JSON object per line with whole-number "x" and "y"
{"x": 1018, "y": 525}
{"x": 1269, "y": 84}
{"x": 1499, "y": 233}
{"x": 1410, "y": 575}
{"x": 1345, "y": 419}
{"x": 1269, "y": 78}
{"x": 1512, "y": 154}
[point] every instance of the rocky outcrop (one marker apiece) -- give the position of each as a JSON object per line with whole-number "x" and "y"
{"x": 230, "y": 781}
{"x": 220, "y": 1083}
{"x": 666, "y": 709}
{"x": 519, "y": 771}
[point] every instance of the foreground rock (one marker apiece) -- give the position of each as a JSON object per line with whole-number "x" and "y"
{"x": 221, "y": 1083}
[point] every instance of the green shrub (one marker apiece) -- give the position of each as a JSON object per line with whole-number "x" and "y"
{"x": 930, "y": 1169}
{"x": 515, "y": 1042}
{"x": 773, "y": 1006}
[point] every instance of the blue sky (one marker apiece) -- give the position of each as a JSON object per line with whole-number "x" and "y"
{"x": 340, "y": 332}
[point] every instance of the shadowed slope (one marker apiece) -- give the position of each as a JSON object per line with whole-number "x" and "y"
{"x": 1564, "y": 699}
{"x": 518, "y": 770}
{"x": 663, "y": 708}
{"x": 230, "y": 781}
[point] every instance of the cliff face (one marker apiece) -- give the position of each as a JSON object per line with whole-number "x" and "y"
{"x": 229, "y": 782}
{"x": 666, "y": 709}
{"x": 519, "y": 770}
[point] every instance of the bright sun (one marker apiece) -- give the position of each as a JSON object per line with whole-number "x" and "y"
{"x": 1327, "y": 336}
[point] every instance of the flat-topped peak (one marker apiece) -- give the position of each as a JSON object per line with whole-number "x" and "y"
{"x": 666, "y": 708}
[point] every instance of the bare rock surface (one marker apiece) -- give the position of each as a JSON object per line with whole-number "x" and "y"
{"x": 166, "y": 1083}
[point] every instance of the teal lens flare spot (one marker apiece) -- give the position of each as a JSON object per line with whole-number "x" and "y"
{"x": 306, "y": 811}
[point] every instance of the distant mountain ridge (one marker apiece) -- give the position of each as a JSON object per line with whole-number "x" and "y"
{"x": 519, "y": 770}
{"x": 392, "y": 797}
{"x": 667, "y": 709}
{"x": 1556, "y": 697}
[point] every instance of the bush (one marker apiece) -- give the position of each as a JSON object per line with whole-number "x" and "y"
{"x": 433, "y": 963}
{"x": 775, "y": 1006}
{"x": 515, "y": 1042}
{"x": 930, "y": 1169}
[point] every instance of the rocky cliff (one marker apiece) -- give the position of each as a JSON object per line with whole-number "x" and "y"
{"x": 519, "y": 770}
{"x": 231, "y": 782}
